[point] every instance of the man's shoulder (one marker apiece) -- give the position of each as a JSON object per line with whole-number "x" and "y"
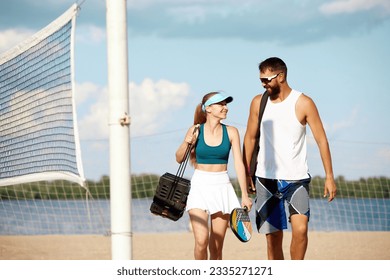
{"x": 301, "y": 95}
{"x": 304, "y": 102}
{"x": 258, "y": 96}
{"x": 256, "y": 99}
{"x": 304, "y": 97}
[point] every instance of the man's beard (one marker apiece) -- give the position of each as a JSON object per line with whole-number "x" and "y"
{"x": 273, "y": 91}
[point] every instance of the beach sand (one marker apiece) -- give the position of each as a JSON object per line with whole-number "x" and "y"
{"x": 179, "y": 246}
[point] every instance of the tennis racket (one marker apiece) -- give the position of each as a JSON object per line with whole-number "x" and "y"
{"x": 240, "y": 224}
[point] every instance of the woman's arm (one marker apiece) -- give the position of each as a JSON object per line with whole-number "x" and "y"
{"x": 239, "y": 166}
{"x": 190, "y": 138}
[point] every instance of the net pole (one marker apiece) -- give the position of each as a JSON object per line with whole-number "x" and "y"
{"x": 120, "y": 184}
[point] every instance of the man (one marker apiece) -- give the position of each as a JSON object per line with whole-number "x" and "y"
{"x": 282, "y": 173}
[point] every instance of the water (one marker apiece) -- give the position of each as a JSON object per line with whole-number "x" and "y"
{"x": 35, "y": 217}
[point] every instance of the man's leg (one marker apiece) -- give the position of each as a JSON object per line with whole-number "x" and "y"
{"x": 299, "y": 240}
{"x": 274, "y": 245}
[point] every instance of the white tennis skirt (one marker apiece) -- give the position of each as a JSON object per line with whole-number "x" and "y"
{"x": 212, "y": 192}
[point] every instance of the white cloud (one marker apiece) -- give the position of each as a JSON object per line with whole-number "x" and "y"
{"x": 9, "y": 38}
{"x": 353, "y": 6}
{"x": 85, "y": 91}
{"x": 151, "y": 106}
{"x": 91, "y": 34}
{"x": 151, "y": 100}
{"x": 93, "y": 124}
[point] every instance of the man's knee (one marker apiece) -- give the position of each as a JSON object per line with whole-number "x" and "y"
{"x": 299, "y": 224}
{"x": 275, "y": 238}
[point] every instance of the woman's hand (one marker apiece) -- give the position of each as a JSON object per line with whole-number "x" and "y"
{"x": 192, "y": 135}
{"x": 189, "y": 139}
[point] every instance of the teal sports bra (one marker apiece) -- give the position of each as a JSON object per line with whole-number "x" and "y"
{"x": 206, "y": 154}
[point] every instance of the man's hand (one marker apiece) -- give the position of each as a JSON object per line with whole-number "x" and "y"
{"x": 330, "y": 189}
{"x": 246, "y": 202}
{"x": 251, "y": 187}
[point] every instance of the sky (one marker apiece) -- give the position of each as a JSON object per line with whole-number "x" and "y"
{"x": 336, "y": 51}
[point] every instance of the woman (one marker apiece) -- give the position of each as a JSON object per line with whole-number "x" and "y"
{"x": 212, "y": 193}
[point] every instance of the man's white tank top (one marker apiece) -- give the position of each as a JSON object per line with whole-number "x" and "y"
{"x": 282, "y": 142}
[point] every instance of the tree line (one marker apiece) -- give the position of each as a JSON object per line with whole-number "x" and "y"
{"x": 144, "y": 186}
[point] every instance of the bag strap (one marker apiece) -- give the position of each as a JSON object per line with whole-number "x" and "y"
{"x": 256, "y": 148}
{"x": 183, "y": 164}
{"x": 263, "y": 102}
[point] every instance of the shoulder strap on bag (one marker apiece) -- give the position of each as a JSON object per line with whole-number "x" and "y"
{"x": 263, "y": 102}
{"x": 253, "y": 162}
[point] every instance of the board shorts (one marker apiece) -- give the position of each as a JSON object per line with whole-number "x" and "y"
{"x": 212, "y": 192}
{"x": 271, "y": 195}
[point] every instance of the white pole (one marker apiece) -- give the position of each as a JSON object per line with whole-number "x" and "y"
{"x": 120, "y": 184}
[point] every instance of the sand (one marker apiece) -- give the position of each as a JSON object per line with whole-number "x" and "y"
{"x": 179, "y": 246}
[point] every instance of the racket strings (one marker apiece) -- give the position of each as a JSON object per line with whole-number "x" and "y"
{"x": 242, "y": 216}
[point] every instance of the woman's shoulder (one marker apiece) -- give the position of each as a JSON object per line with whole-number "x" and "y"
{"x": 231, "y": 129}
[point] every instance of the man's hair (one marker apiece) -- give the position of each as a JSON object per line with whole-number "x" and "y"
{"x": 274, "y": 64}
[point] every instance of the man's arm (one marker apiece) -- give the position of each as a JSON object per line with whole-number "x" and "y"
{"x": 250, "y": 137}
{"x": 313, "y": 119}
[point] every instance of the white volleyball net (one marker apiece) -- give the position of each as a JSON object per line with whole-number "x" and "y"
{"x": 38, "y": 127}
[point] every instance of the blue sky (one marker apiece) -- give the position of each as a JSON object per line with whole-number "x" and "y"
{"x": 337, "y": 52}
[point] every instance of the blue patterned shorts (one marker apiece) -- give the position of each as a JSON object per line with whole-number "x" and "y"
{"x": 271, "y": 196}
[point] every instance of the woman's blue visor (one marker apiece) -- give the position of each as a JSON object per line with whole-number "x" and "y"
{"x": 216, "y": 98}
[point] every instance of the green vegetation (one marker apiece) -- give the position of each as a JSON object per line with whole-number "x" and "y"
{"x": 375, "y": 187}
{"x": 144, "y": 185}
